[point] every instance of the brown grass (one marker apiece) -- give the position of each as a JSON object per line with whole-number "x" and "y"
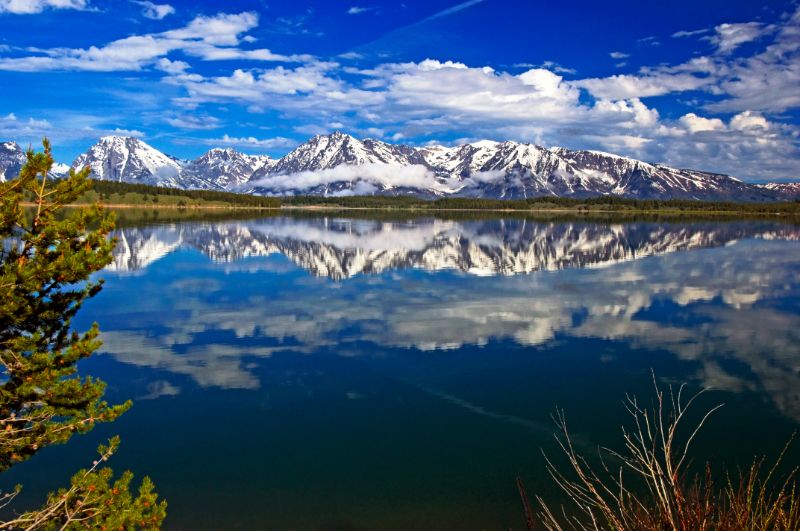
{"x": 665, "y": 497}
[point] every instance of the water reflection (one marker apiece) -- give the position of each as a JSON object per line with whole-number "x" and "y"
{"x": 727, "y": 302}
{"x": 343, "y": 248}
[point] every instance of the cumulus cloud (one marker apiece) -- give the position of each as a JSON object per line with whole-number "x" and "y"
{"x": 619, "y": 55}
{"x": 695, "y": 123}
{"x": 749, "y": 120}
{"x": 431, "y": 97}
{"x": 30, "y": 7}
{"x": 436, "y": 98}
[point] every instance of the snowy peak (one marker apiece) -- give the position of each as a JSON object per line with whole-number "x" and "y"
{"x": 324, "y": 152}
{"x": 786, "y": 191}
{"x": 60, "y": 169}
{"x": 226, "y": 168}
{"x": 340, "y": 164}
{"x": 12, "y": 158}
{"x": 119, "y": 158}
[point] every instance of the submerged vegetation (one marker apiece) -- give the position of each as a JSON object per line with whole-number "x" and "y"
{"x": 647, "y": 486}
{"x": 46, "y": 261}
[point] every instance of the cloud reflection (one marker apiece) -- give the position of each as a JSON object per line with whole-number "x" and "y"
{"x": 738, "y": 291}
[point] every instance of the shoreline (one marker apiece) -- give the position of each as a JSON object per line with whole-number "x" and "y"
{"x": 312, "y": 208}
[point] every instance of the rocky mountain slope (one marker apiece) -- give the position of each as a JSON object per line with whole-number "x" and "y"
{"x": 226, "y": 169}
{"x": 339, "y": 164}
{"x": 12, "y": 157}
{"x": 116, "y": 158}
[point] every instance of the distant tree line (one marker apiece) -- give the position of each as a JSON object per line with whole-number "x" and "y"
{"x": 107, "y": 188}
{"x": 543, "y": 202}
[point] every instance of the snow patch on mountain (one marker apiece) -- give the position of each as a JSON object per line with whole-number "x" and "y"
{"x": 339, "y": 164}
{"x": 12, "y": 158}
{"x": 226, "y": 169}
{"x": 116, "y": 158}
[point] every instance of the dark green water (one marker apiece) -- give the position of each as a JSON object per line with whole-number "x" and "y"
{"x": 333, "y": 373}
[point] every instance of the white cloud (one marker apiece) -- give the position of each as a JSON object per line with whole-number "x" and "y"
{"x": 619, "y": 55}
{"x": 193, "y": 122}
{"x": 12, "y": 127}
{"x": 633, "y": 86}
{"x": 728, "y": 37}
{"x": 690, "y": 33}
{"x": 32, "y": 130}
{"x": 357, "y": 10}
{"x": 749, "y": 120}
{"x": 765, "y": 81}
{"x": 155, "y": 11}
{"x": 172, "y": 67}
{"x": 696, "y": 124}
{"x": 370, "y": 177}
{"x": 549, "y": 65}
{"x": 433, "y": 97}
{"x": 30, "y": 7}
{"x": 252, "y": 142}
{"x": 213, "y": 38}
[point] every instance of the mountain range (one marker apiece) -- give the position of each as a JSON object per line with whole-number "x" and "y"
{"x": 340, "y": 164}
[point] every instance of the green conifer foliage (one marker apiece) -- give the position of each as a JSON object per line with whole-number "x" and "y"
{"x": 47, "y": 256}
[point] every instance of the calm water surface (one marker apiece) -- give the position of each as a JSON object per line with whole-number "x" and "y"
{"x": 335, "y": 373}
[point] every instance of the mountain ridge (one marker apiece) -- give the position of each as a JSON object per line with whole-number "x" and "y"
{"x": 340, "y": 164}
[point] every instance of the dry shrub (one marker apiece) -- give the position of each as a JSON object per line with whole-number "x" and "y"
{"x": 665, "y": 497}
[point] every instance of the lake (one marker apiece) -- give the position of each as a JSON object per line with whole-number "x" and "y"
{"x": 330, "y": 372}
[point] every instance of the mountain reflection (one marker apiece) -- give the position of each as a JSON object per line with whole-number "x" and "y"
{"x": 729, "y": 312}
{"x": 340, "y": 248}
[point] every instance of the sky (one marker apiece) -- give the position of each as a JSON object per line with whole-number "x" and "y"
{"x": 705, "y": 84}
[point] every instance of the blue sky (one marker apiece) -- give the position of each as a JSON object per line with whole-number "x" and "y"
{"x": 712, "y": 85}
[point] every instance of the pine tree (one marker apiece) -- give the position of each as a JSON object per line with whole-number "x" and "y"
{"x": 48, "y": 254}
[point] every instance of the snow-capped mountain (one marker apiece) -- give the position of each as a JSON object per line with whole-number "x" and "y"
{"x": 117, "y": 158}
{"x": 325, "y": 152}
{"x": 226, "y": 169}
{"x": 789, "y": 190}
{"x": 60, "y": 169}
{"x": 12, "y": 157}
{"x": 339, "y": 164}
